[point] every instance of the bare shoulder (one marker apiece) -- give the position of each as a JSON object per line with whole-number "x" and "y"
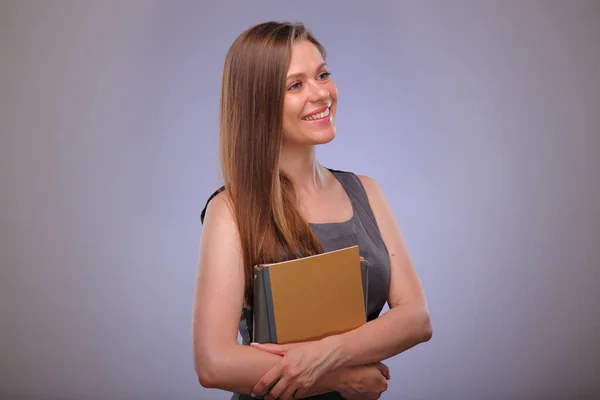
{"x": 384, "y": 215}
{"x": 382, "y": 210}
{"x": 375, "y": 195}
{"x": 370, "y": 184}
{"x": 220, "y": 245}
{"x": 219, "y": 209}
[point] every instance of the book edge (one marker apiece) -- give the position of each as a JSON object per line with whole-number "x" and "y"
{"x": 261, "y": 266}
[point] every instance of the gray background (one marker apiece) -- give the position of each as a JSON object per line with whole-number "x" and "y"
{"x": 480, "y": 120}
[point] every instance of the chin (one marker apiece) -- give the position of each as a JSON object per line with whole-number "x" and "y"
{"x": 326, "y": 139}
{"x": 323, "y": 134}
{"x": 311, "y": 137}
{"x": 315, "y": 138}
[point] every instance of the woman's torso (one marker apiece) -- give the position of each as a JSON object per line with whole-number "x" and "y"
{"x": 361, "y": 230}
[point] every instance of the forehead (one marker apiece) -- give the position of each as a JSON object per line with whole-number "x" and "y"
{"x": 305, "y": 56}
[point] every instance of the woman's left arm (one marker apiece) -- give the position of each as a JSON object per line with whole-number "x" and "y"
{"x": 405, "y": 325}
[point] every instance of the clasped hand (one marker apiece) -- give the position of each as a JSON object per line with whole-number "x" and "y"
{"x": 301, "y": 365}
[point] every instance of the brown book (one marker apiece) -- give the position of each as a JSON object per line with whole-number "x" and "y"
{"x": 310, "y": 298}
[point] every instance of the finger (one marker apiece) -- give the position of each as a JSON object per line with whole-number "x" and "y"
{"x": 270, "y": 348}
{"x": 302, "y": 390}
{"x": 261, "y": 392}
{"x": 300, "y": 393}
{"x": 290, "y": 393}
{"x": 281, "y": 389}
{"x": 283, "y": 347}
{"x": 261, "y": 388}
{"x": 385, "y": 371}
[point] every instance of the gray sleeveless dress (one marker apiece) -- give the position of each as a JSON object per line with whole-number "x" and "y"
{"x": 361, "y": 230}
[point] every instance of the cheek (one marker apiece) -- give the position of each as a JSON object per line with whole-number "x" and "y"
{"x": 289, "y": 119}
{"x": 334, "y": 95}
{"x": 332, "y": 89}
{"x": 291, "y": 112}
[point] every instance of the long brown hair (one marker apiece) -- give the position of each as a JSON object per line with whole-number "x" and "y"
{"x": 263, "y": 198}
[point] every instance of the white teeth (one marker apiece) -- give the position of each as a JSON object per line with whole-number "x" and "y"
{"x": 317, "y": 116}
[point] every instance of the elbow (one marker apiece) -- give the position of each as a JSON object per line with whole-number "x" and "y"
{"x": 207, "y": 379}
{"x": 205, "y": 372}
{"x": 426, "y": 328}
{"x": 211, "y": 366}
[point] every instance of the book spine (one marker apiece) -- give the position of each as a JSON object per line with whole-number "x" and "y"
{"x": 264, "y": 329}
{"x": 364, "y": 270}
{"x": 270, "y": 310}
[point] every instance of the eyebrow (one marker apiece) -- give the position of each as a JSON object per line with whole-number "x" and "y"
{"x": 302, "y": 74}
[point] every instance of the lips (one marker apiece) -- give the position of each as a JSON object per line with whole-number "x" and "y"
{"x": 317, "y": 114}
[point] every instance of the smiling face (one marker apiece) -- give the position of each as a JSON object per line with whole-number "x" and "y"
{"x": 310, "y": 98}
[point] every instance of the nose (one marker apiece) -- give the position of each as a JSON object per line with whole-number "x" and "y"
{"x": 319, "y": 93}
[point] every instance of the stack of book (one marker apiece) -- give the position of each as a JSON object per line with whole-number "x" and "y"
{"x": 310, "y": 298}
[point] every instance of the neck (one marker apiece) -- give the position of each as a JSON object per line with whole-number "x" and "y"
{"x": 301, "y": 166}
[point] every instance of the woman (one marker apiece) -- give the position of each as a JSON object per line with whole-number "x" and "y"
{"x": 278, "y": 103}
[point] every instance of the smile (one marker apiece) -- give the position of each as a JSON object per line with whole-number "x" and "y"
{"x": 317, "y": 116}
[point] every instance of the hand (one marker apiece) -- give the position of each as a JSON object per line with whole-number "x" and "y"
{"x": 301, "y": 365}
{"x": 364, "y": 382}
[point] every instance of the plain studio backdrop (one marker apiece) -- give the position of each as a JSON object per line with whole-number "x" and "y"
{"x": 479, "y": 119}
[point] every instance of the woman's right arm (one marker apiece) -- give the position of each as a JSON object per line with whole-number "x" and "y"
{"x": 220, "y": 361}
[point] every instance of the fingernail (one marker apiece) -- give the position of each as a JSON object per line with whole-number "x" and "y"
{"x": 252, "y": 395}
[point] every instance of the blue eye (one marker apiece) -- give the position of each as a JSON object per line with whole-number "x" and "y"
{"x": 322, "y": 76}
